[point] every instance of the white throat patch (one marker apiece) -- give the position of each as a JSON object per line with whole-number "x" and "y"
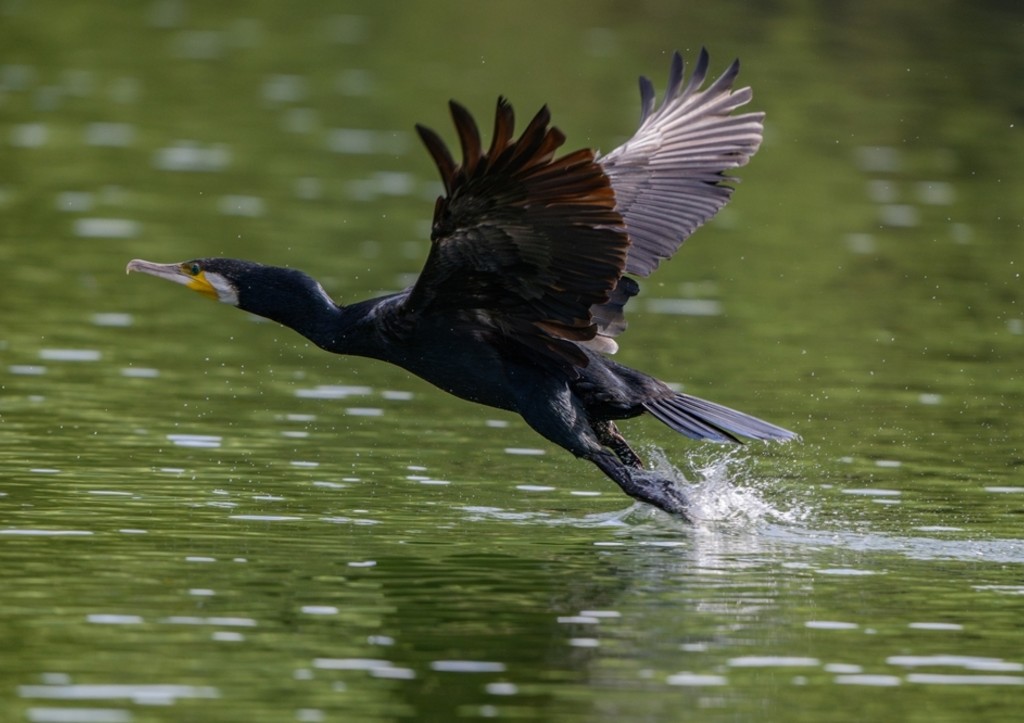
{"x": 225, "y": 291}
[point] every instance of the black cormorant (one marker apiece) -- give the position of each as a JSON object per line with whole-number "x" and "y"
{"x": 529, "y": 270}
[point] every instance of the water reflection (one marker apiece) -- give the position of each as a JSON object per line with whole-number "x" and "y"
{"x": 702, "y": 592}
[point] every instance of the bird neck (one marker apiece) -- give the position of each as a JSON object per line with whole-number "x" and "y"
{"x": 322, "y": 323}
{"x": 295, "y": 300}
{"x": 339, "y": 329}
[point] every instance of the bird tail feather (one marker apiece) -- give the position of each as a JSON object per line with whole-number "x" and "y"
{"x": 700, "y": 419}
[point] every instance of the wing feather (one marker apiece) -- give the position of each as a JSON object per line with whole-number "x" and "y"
{"x": 534, "y": 246}
{"x": 523, "y": 241}
{"x": 669, "y": 177}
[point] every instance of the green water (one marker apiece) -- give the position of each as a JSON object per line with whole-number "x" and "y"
{"x": 203, "y": 518}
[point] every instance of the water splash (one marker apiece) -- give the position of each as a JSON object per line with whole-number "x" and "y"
{"x": 727, "y": 487}
{"x": 723, "y": 484}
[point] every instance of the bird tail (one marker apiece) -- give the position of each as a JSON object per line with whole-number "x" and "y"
{"x": 700, "y": 419}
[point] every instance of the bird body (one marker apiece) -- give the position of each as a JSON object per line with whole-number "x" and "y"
{"x": 525, "y": 283}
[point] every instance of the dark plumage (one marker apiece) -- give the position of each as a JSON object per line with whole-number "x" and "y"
{"x": 523, "y": 289}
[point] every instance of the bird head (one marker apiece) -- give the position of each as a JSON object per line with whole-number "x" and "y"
{"x": 284, "y": 295}
{"x": 218, "y": 279}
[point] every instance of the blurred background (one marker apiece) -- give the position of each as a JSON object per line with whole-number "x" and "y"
{"x": 863, "y": 288}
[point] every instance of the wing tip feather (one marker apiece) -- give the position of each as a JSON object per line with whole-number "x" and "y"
{"x": 439, "y": 152}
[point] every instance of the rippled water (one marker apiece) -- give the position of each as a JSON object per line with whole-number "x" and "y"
{"x": 203, "y": 518}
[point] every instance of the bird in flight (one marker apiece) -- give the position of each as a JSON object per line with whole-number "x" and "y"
{"x": 530, "y": 267}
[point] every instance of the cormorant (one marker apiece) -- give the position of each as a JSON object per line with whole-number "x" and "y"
{"x": 529, "y": 270}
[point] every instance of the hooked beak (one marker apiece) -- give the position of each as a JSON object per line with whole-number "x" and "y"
{"x": 177, "y": 273}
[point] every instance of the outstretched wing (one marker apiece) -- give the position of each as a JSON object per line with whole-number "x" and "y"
{"x": 535, "y": 246}
{"x": 523, "y": 242}
{"x": 668, "y": 178}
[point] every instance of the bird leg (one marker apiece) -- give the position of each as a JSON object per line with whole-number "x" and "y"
{"x": 643, "y": 486}
{"x": 552, "y": 410}
{"x": 610, "y": 436}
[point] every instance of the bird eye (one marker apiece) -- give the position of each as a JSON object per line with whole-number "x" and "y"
{"x": 194, "y": 269}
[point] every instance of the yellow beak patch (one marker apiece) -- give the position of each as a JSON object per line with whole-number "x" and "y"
{"x": 200, "y": 283}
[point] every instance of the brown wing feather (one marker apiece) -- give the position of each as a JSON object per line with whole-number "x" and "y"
{"x": 523, "y": 240}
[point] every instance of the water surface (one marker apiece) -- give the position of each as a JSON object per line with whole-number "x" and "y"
{"x": 203, "y": 518}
